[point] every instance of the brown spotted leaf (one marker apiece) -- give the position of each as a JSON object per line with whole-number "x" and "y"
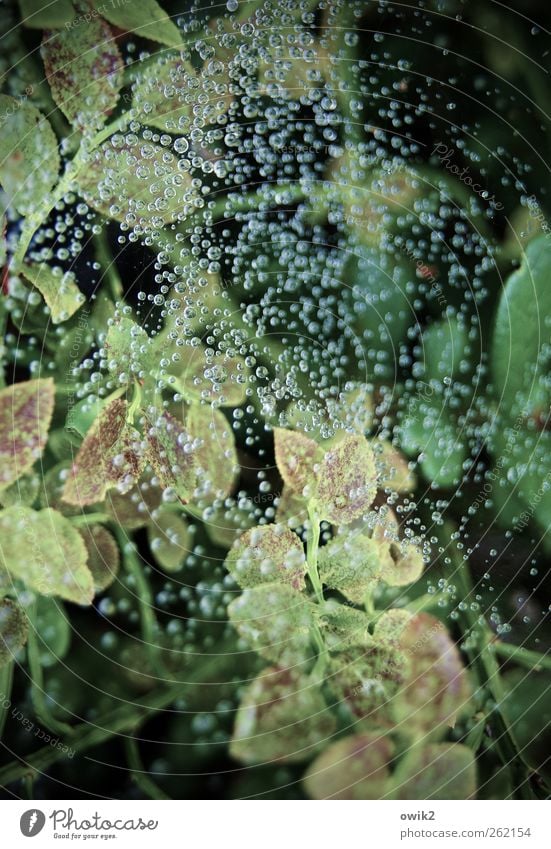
{"x": 436, "y": 688}
{"x": 438, "y": 771}
{"x": 167, "y": 452}
{"x": 265, "y": 554}
{"x": 282, "y": 718}
{"x": 365, "y": 679}
{"x": 276, "y": 621}
{"x": 296, "y": 457}
{"x": 355, "y": 768}
{"x": 42, "y": 549}
{"x": 103, "y": 555}
{"x": 29, "y": 158}
{"x": 347, "y": 481}
{"x": 109, "y": 457}
{"x": 25, "y": 414}
{"x": 84, "y": 68}
{"x": 14, "y": 628}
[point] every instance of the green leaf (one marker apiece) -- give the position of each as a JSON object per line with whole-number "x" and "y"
{"x": 165, "y": 94}
{"x": 282, "y": 718}
{"x": 110, "y": 456}
{"x": 404, "y": 566}
{"x": 214, "y": 452}
{"x": 393, "y": 471}
{"x": 128, "y": 350}
{"x": 103, "y": 555}
{"x": 169, "y": 540}
{"x": 172, "y": 464}
{"x": 355, "y": 768}
{"x": 25, "y": 414}
{"x": 146, "y": 19}
{"x": 137, "y": 183}
{"x": 216, "y": 378}
{"x": 342, "y": 626}
{"x": 38, "y": 14}
{"x": 276, "y": 621}
{"x": 390, "y": 626}
{"x": 265, "y": 554}
{"x": 83, "y": 414}
{"x": 14, "y": 629}
{"x": 58, "y": 289}
{"x": 446, "y": 348}
{"x": 347, "y": 481}
{"x": 23, "y": 491}
{"x": 53, "y": 630}
{"x": 84, "y": 68}
{"x": 29, "y": 158}
{"x": 527, "y": 709}
{"x": 297, "y": 457}
{"x": 432, "y": 434}
{"x": 437, "y": 688}
{"x": 352, "y": 564}
{"x": 43, "y": 550}
{"x": 520, "y": 350}
{"x": 437, "y": 771}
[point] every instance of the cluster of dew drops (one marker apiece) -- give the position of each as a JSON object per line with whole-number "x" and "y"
{"x": 275, "y": 282}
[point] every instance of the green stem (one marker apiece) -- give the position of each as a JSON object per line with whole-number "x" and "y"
{"x": 121, "y": 720}
{"x": 6, "y": 683}
{"x": 85, "y": 519}
{"x": 312, "y": 552}
{"x": 524, "y": 657}
{"x": 134, "y": 567}
{"x": 482, "y": 660}
{"x": 38, "y": 693}
{"x": 139, "y": 773}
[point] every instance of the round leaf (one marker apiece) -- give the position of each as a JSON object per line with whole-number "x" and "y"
{"x": 347, "y": 481}
{"x": 265, "y": 554}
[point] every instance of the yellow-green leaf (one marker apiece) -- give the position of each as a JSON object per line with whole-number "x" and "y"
{"x": 58, "y": 289}
{"x": 29, "y": 158}
{"x": 296, "y": 457}
{"x": 42, "y": 549}
{"x": 137, "y": 182}
{"x": 103, "y": 555}
{"x": 164, "y": 95}
{"x": 355, "y": 768}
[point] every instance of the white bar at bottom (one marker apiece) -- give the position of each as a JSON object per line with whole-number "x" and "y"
{"x": 273, "y": 824}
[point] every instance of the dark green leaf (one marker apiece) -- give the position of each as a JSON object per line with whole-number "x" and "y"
{"x": 39, "y": 14}
{"x": 146, "y": 19}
